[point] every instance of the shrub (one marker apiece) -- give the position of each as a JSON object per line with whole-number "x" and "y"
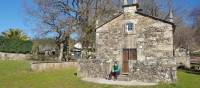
{"x": 195, "y": 53}
{"x": 15, "y": 46}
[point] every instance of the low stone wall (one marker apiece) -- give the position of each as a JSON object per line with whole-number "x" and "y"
{"x": 158, "y": 70}
{"x": 47, "y": 66}
{"x": 154, "y": 71}
{"x": 183, "y": 61}
{"x": 14, "y": 56}
{"x": 182, "y": 57}
{"x": 93, "y": 68}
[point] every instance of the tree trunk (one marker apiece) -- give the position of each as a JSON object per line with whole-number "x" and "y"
{"x": 61, "y": 52}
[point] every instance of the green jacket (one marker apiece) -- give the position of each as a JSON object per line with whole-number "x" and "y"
{"x": 116, "y": 68}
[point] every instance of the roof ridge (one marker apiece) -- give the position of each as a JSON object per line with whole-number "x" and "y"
{"x": 143, "y": 14}
{"x": 156, "y": 18}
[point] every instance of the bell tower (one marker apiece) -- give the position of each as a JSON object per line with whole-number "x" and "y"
{"x": 130, "y": 6}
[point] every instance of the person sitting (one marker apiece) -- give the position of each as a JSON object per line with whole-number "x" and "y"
{"x": 115, "y": 71}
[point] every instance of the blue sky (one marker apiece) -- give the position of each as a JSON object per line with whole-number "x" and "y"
{"x": 13, "y": 16}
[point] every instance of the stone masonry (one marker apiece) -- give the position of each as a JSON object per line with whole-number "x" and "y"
{"x": 182, "y": 57}
{"x": 42, "y": 66}
{"x": 14, "y": 56}
{"x": 151, "y": 37}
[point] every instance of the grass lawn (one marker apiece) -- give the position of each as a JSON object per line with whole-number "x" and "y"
{"x": 16, "y": 74}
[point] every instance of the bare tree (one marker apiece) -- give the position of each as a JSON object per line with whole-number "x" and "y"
{"x": 196, "y": 21}
{"x": 55, "y": 19}
{"x": 90, "y": 12}
{"x": 62, "y": 17}
{"x": 150, "y": 7}
{"x": 162, "y": 9}
{"x": 184, "y": 37}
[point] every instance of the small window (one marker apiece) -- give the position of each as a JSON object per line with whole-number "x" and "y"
{"x": 130, "y": 27}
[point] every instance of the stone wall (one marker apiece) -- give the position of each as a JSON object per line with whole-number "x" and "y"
{"x": 48, "y": 66}
{"x": 150, "y": 37}
{"x": 96, "y": 68}
{"x": 149, "y": 71}
{"x": 153, "y": 40}
{"x": 182, "y": 57}
{"x": 153, "y": 71}
{"x": 14, "y": 56}
{"x": 110, "y": 40}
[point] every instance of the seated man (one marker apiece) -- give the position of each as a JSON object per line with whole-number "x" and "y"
{"x": 115, "y": 71}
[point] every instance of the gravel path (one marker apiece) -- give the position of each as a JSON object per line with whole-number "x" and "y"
{"x": 111, "y": 82}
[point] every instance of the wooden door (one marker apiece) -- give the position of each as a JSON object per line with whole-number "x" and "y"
{"x": 132, "y": 54}
{"x": 125, "y": 61}
{"x": 128, "y": 54}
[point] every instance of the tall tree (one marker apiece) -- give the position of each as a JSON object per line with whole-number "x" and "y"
{"x": 196, "y": 21}
{"x": 95, "y": 11}
{"x": 56, "y": 17}
{"x": 183, "y": 37}
{"x": 150, "y": 7}
{"x": 63, "y": 17}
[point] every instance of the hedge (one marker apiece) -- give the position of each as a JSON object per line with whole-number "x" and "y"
{"x": 196, "y": 53}
{"x": 15, "y": 46}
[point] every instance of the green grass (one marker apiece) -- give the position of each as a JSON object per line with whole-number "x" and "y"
{"x": 16, "y": 74}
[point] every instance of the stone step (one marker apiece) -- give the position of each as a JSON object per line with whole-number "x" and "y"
{"x": 123, "y": 78}
{"x": 122, "y": 75}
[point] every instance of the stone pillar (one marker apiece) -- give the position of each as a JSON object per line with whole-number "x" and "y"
{"x": 125, "y": 2}
{"x": 97, "y": 23}
{"x": 130, "y": 8}
{"x": 171, "y": 16}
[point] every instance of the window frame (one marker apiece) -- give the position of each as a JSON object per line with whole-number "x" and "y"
{"x": 130, "y": 25}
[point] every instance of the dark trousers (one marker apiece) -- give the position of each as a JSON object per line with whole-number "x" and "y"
{"x": 113, "y": 74}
